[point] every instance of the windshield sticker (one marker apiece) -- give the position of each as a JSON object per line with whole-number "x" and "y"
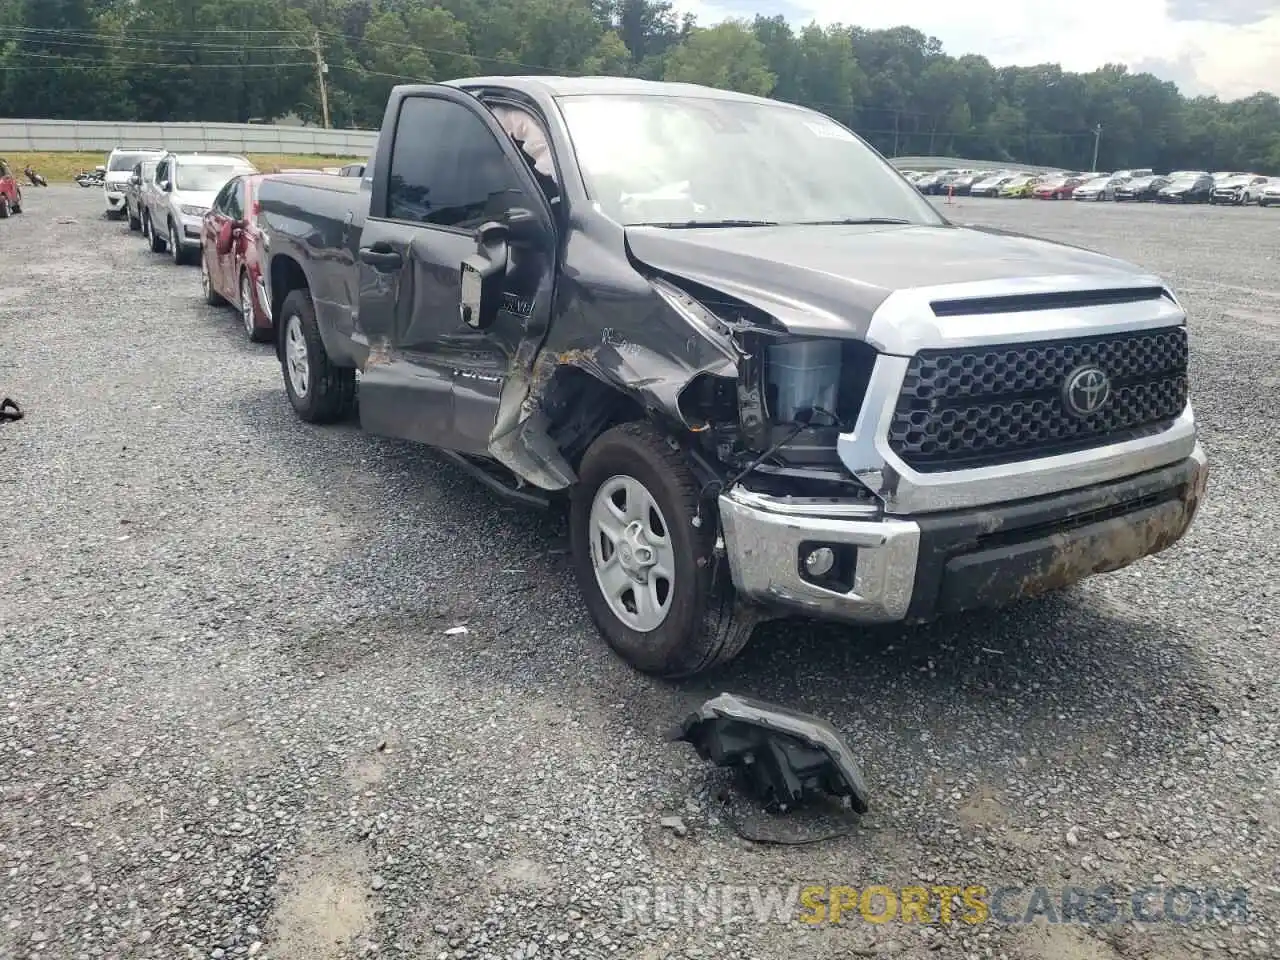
{"x": 829, "y": 131}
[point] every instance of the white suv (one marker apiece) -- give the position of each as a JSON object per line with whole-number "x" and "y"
{"x": 120, "y": 164}
{"x": 183, "y": 188}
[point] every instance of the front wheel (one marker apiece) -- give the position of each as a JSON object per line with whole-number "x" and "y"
{"x": 135, "y": 224}
{"x": 211, "y": 295}
{"x": 319, "y": 391}
{"x": 255, "y": 334}
{"x": 176, "y": 249}
{"x": 154, "y": 240}
{"x": 651, "y": 580}
{"x": 4, "y": 207}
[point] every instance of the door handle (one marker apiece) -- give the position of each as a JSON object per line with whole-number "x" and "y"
{"x": 381, "y": 258}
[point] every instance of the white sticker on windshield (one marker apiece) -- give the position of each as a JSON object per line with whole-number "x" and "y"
{"x": 829, "y": 131}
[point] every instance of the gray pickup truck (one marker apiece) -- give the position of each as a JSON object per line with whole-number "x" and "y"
{"x": 769, "y": 376}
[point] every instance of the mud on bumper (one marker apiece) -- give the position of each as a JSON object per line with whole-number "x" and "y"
{"x": 889, "y": 569}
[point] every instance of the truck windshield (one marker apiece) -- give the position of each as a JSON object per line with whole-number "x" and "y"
{"x": 676, "y": 160}
{"x": 124, "y": 161}
{"x": 204, "y": 176}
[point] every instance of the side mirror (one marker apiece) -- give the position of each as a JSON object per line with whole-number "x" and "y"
{"x": 484, "y": 272}
{"x": 225, "y": 238}
{"x": 166, "y": 186}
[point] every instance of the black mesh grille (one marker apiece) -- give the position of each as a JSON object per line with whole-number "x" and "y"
{"x": 979, "y": 406}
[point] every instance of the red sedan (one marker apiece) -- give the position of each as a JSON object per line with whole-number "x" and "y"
{"x": 10, "y": 192}
{"x": 1059, "y": 188}
{"x": 230, "y": 261}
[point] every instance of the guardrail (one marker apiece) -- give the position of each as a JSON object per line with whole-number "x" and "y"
{"x": 100, "y": 135}
{"x": 954, "y": 163}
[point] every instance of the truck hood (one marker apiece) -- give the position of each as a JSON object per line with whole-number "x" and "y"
{"x": 829, "y": 280}
{"x": 194, "y": 198}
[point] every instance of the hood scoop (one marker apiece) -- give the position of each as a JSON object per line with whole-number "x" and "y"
{"x": 1064, "y": 300}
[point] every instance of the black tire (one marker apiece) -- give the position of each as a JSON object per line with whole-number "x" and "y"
{"x": 4, "y": 208}
{"x": 17, "y": 202}
{"x": 177, "y": 251}
{"x": 705, "y": 625}
{"x": 135, "y": 223}
{"x": 330, "y": 389}
{"x": 156, "y": 242}
{"x": 211, "y": 296}
{"x": 255, "y": 333}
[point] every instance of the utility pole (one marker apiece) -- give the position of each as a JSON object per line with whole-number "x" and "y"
{"x": 322, "y": 68}
{"x": 1097, "y": 136}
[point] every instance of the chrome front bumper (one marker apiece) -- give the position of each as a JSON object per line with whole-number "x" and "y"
{"x": 763, "y": 537}
{"x": 930, "y": 566}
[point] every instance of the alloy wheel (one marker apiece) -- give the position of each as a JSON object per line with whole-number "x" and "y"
{"x": 632, "y": 553}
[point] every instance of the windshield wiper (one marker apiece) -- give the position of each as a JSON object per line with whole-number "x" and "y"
{"x": 698, "y": 224}
{"x": 850, "y": 221}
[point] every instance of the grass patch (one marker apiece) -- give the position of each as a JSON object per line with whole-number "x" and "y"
{"x": 62, "y": 167}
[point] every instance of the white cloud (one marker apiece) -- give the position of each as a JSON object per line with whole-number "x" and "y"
{"x": 1202, "y": 56}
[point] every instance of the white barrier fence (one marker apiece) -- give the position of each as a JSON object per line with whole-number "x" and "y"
{"x": 99, "y": 135}
{"x": 957, "y": 163}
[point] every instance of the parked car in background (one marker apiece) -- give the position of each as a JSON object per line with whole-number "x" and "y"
{"x": 142, "y": 172}
{"x": 120, "y": 164}
{"x": 1222, "y": 175}
{"x": 1099, "y": 188}
{"x": 1019, "y": 187}
{"x": 185, "y": 185}
{"x": 231, "y": 256}
{"x": 1235, "y": 190}
{"x": 1141, "y": 188}
{"x": 962, "y": 184}
{"x": 1253, "y": 192}
{"x": 1186, "y": 188}
{"x": 1269, "y": 193}
{"x": 10, "y": 192}
{"x": 357, "y": 170}
{"x": 1057, "y": 188}
{"x": 1134, "y": 174}
{"x": 990, "y": 186}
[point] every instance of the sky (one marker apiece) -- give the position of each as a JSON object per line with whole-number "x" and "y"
{"x": 1230, "y": 48}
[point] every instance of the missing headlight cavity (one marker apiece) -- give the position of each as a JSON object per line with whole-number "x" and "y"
{"x": 804, "y": 379}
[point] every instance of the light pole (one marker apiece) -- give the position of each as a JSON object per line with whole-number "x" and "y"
{"x": 1097, "y": 136}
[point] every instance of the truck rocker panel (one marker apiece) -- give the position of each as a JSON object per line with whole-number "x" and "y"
{"x": 783, "y": 386}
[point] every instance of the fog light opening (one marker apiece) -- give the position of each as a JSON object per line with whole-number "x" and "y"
{"x": 819, "y": 562}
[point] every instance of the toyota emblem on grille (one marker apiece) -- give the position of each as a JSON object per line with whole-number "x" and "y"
{"x": 1086, "y": 390}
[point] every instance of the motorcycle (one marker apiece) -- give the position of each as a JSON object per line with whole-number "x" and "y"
{"x": 92, "y": 178}
{"x": 36, "y": 179}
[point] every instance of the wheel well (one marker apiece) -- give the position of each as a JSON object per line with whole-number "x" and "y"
{"x": 580, "y": 408}
{"x": 286, "y": 276}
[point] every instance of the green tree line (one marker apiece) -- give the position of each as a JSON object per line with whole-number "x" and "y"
{"x": 243, "y": 60}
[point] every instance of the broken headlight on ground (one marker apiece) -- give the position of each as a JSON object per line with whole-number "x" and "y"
{"x": 780, "y": 756}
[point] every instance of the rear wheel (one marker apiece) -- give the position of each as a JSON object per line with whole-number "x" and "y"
{"x": 4, "y": 207}
{"x": 319, "y": 391}
{"x": 135, "y": 224}
{"x": 650, "y": 579}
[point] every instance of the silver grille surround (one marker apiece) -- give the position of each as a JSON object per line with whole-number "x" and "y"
{"x": 905, "y": 324}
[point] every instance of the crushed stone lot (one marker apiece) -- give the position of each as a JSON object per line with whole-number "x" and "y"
{"x": 233, "y": 722}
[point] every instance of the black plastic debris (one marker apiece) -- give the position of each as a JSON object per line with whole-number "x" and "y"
{"x": 9, "y": 409}
{"x": 780, "y": 756}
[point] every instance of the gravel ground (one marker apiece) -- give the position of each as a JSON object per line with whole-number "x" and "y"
{"x": 233, "y": 722}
